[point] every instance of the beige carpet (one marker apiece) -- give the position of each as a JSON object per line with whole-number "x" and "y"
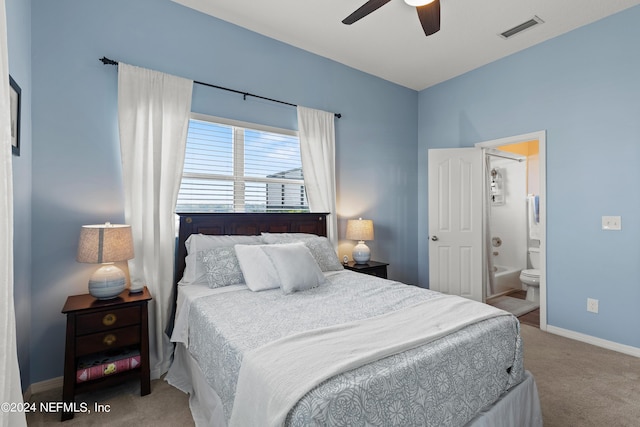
{"x": 165, "y": 406}
{"x": 582, "y": 385}
{"x": 579, "y": 385}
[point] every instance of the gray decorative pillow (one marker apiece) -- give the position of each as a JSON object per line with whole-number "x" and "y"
{"x": 221, "y": 266}
{"x": 321, "y": 248}
{"x": 323, "y": 252}
{"x": 194, "y": 272}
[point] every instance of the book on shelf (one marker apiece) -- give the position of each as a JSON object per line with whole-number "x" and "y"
{"x": 106, "y": 363}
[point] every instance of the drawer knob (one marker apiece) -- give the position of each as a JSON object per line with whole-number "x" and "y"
{"x": 109, "y": 339}
{"x": 109, "y": 319}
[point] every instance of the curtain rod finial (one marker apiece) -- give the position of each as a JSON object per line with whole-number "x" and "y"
{"x": 107, "y": 61}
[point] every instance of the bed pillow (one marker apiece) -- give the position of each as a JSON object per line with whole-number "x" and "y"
{"x": 194, "y": 272}
{"x": 257, "y": 269}
{"x": 272, "y": 237}
{"x": 320, "y": 247}
{"x": 221, "y": 266}
{"x": 325, "y": 255}
{"x": 200, "y": 242}
{"x": 297, "y": 269}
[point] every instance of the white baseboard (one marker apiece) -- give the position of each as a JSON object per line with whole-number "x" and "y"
{"x": 43, "y": 386}
{"x": 598, "y": 342}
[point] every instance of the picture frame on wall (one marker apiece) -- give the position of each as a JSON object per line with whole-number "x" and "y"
{"x": 15, "y": 93}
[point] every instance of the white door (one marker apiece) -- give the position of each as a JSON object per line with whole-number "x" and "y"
{"x": 455, "y": 222}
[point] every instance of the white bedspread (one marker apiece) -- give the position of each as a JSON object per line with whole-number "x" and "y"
{"x": 275, "y": 376}
{"x": 186, "y": 297}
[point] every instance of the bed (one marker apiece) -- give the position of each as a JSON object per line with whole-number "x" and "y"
{"x": 297, "y": 340}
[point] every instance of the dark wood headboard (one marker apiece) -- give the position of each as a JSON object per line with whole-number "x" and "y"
{"x": 247, "y": 224}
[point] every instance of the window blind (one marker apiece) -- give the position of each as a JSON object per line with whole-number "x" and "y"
{"x": 241, "y": 168}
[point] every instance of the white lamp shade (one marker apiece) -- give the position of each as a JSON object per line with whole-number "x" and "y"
{"x": 104, "y": 244}
{"x": 360, "y": 229}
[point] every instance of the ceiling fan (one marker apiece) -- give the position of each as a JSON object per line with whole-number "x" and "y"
{"x": 428, "y": 13}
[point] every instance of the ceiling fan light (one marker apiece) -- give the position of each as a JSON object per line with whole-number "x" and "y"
{"x": 418, "y": 3}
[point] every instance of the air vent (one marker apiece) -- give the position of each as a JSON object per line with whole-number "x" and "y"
{"x": 520, "y": 28}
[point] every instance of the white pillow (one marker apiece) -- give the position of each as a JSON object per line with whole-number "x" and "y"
{"x": 275, "y": 237}
{"x": 189, "y": 274}
{"x": 297, "y": 270}
{"x": 194, "y": 272}
{"x": 201, "y": 242}
{"x": 321, "y": 248}
{"x": 257, "y": 269}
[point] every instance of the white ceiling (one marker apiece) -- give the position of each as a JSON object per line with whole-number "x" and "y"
{"x": 390, "y": 43}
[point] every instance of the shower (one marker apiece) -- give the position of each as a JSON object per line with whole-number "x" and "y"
{"x": 505, "y": 220}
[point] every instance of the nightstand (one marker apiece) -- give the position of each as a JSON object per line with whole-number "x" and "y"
{"x": 114, "y": 326}
{"x": 373, "y": 268}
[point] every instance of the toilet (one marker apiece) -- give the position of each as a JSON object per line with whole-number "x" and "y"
{"x": 530, "y": 278}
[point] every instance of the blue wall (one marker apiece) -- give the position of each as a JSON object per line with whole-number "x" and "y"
{"x": 583, "y": 88}
{"x": 19, "y": 46}
{"x": 76, "y": 157}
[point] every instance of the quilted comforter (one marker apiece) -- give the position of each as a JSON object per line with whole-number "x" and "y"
{"x": 446, "y": 382}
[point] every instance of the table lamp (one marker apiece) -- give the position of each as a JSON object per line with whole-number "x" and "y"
{"x": 105, "y": 244}
{"x": 361, "y": 230}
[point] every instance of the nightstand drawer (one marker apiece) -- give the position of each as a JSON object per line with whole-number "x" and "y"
{"x": 108, "y": 319}
{"x": 115, "y": 338}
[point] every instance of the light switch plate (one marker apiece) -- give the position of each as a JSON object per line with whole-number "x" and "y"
{"x": 611, "y": 223}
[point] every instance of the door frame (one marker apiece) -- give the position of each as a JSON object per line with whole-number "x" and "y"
{"x": 541, "y": 136}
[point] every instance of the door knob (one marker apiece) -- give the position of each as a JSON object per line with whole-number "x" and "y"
{"x": 434, "y": 238}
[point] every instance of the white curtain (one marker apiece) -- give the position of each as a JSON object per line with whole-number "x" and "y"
{"x": 316, "y": 131}
{"x": 10, "y": 390}
{"x": 153, "y": 115}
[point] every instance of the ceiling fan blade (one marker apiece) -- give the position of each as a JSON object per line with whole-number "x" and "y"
{"x": 430, "y": 17}
{"x": 364, "y": 10}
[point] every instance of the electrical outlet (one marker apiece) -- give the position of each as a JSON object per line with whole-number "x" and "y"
{"x": 592, "y": 305}
{"x": 611, "y": 223}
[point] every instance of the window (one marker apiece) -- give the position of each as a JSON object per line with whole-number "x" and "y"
{"x": 239, "y": 167}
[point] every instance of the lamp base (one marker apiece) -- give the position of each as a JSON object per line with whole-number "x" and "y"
{"x": 107, "y": 282}
{"x": 361, "y": 253}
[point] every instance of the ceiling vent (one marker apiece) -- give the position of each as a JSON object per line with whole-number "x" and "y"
{"x": 521, "y": 27}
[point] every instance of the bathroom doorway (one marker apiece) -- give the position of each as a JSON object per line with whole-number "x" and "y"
{"x": 515, "y": 173}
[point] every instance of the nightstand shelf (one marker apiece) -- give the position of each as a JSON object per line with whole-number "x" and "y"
{"x": 372, "y": 268}
{"x": 94, "y": 326}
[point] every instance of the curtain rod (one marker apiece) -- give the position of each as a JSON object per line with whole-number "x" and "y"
{"x": 107, "y": 61}
{"x": 504, "y": 155}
